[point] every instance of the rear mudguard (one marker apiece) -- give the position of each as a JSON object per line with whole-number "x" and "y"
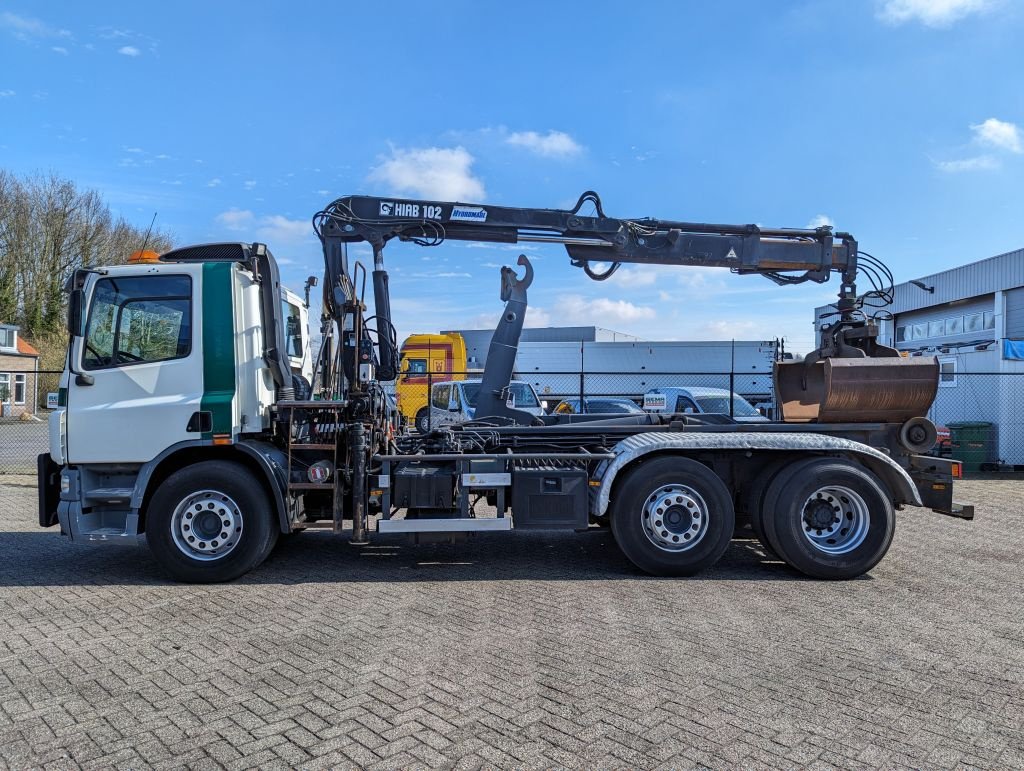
{"x": 628, "y": 450}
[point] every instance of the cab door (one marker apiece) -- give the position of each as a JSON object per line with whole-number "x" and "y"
{"x": 137, "y": 376}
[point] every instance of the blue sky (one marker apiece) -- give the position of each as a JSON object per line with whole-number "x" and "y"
{"x": 897, "y": 120}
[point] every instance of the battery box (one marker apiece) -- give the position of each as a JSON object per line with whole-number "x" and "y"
{"x": 423, "y": 486}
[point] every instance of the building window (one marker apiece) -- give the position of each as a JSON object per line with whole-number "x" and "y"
{"x": 7, "y": 338}
{"x": 5, "y": 387}
{"x": 974, "y": 322}
{"x": 947, "y": 372}
{"x": 990, "y": 320}
{"x": 901, "y": 334}
{"x": 920, "y": 331}
{"x": 19, "y": 388}
{"x": 936, "y": 328}
{"x": 955, "y": 326}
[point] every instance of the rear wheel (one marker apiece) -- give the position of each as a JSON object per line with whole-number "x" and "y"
{"x": 829, "y": 518}
{"x": 423, "y": 420}
{"x": 209, "y": 523}
{"x": 672, "y": 516}
{"x": 754, "y": 496}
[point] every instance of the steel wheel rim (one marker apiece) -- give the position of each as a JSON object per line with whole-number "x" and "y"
{"x": 675, "y": 518}
{"x": 206, "y": 526}
{"x": 848, "y": 524}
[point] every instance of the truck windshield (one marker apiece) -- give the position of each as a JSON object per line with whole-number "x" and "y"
{"x": 524, "y": 395}
{"x": 720, "y": 405}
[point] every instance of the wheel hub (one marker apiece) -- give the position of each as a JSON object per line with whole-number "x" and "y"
{"x": 206, "y": 525}
{"x": 835, "y": 520}
{"x": 675, "y": 518}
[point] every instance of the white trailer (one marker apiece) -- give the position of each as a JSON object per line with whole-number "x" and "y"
{"x": 631, "y": 369}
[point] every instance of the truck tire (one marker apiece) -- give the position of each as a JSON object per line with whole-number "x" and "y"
{"x": 423, "y": 420}
{"x": 672, "y": 516}
{"x": 210, "y": 523}
{"x": 754, "y": 495}
{"x": 829, "y": 518}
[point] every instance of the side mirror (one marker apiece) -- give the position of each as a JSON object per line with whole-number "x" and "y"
{"x": 76, "y": 320}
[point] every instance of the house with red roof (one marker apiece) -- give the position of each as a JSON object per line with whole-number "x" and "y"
{"x": 19, "y": 367}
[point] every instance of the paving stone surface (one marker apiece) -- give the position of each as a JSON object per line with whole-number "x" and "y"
{"x": 521, "y": 651}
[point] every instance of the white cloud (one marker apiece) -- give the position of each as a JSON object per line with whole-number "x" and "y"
{"x": 931, "y": 13}
{"x": 729, "y": 330}
{"x": 6, "y": 93}
{"x": 442, "y": 275}
{"x": 132, "y": 149}
{"x": 236, "y": 219}
{"x": 60, "y": 50}
{"x": 129, "y": 51}
{"x": 249, "y": 184}
{"x": 25, "y": 27}
{"x": 978, "y": 163}
{"x": 535, "y": 317}
{"x": 277, "y": 229}
{"x": 430, "y": 172}
{"x": 820, "y": 221}
{"x": 599, "y": 311}
{"x": 215, "y": 182}
{"x": 999, "y": 134}
{"x": 554, "y": 144}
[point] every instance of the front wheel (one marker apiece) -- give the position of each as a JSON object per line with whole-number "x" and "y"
{"x": 423, "y": 420}
{"x": 210, "y": 522}
{"x": 829, "y": 518}
{"x": 673, "y": 517}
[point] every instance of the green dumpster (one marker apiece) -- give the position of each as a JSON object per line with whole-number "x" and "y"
{"x": 971, "y": 444}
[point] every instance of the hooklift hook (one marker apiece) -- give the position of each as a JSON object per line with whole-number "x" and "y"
{"x": 510, "y": 282}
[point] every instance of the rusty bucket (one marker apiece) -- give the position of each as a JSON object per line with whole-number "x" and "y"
{"x": 862, "y": 390}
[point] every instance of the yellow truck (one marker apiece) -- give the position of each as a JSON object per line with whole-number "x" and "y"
{"x": 442, "y": 356}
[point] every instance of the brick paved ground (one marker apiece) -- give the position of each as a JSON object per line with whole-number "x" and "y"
{"x": 519, "y": 651}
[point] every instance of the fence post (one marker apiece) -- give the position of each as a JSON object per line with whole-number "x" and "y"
{"x": 582, "y": 378}
{"x": 732, "y": 379}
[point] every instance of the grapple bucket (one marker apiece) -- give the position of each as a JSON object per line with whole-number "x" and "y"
{"x": 862, "y": 390}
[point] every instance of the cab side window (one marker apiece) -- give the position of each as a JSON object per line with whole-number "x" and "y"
{"x": 138, "y": 319}
{"x": 292, "y": 329}
{"x": 683, "y": 404}
{"x": 416, "y": 367}
{"x": 440, "y": 397}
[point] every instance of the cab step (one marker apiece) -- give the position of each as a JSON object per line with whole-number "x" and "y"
{"x": 445, "y": 525}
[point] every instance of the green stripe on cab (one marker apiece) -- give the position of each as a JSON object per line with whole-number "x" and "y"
{"x": 218, "y": 346}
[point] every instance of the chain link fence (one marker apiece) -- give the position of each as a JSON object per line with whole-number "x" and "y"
{"x": 980, "y": 415}
{"x": 25, "y": 399}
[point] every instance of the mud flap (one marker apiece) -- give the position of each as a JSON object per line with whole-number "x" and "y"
{"x": 48, "y": 487}
{"x": 856, "y": 390}
{"x": 933, "y": 478}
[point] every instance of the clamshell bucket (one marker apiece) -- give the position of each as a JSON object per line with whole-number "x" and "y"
{"x": 856, "y": 390}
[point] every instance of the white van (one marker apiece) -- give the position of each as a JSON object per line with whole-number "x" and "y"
{"x": 700, "y": 399}
{"x": 454, "y": 401}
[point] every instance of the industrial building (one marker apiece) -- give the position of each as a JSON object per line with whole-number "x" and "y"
{"x": 479, "y": 340}
{"x": 972, "y": 318}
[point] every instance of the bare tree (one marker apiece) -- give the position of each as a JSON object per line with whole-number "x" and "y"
{"x": 49, "y": 228}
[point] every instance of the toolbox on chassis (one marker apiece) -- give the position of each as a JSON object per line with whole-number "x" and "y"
{"x": 190, "y": 414}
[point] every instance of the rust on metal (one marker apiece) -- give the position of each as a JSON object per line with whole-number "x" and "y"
{"x": 868, "y": 390}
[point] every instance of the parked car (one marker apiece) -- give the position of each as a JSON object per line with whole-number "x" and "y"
{"x": 700, "y": 399}
{"x": 454, "y": 401}
{"x": 598, "y": 405}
